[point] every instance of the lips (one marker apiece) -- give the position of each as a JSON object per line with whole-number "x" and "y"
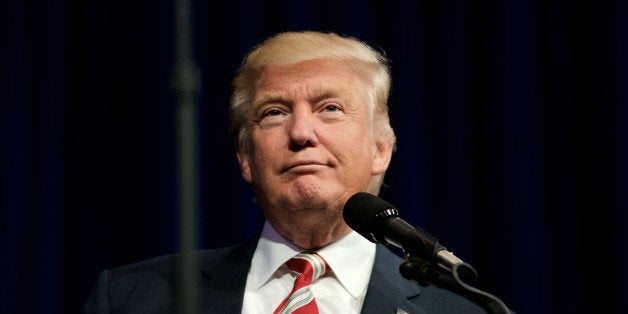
{"x": 303, "y": 164}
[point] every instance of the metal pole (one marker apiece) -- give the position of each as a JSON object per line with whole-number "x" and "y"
{"x": 187, "y": 82}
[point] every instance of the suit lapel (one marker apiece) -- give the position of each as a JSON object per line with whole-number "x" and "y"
{"x": 388, "y": 291}
{"x": 225, "y": 274}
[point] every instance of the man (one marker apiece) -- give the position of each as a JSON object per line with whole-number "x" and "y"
{"x": 311, "y": 129}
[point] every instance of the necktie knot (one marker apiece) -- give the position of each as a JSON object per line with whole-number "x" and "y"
{"x": 310, "y": 266}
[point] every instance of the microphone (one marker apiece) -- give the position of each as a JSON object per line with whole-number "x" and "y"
{"x": 379, "y": 222}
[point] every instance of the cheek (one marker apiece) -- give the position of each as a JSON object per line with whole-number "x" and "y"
{"x": 266, "y": 142}
{"x": 356, "y": 152}
{"x": 266, "y": 147}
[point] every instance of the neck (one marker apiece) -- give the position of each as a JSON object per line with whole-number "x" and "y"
{"x": 311, "y": 234}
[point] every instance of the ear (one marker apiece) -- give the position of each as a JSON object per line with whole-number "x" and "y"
{"x": 245, "y": 166}
{"x": 381, "y": 157}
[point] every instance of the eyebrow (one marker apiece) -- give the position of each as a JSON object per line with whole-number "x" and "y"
{"x": 271, "y": 98}
{"x": 319, "y": 93}
{"x": 322, "y": 92}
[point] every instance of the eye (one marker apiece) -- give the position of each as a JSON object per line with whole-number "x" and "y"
{"x": 271, "y": 112}
{"x": 331, "y": 108}
{"x": 271, "y": 116}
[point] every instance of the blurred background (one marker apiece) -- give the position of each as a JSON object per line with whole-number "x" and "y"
{"x": 511, "y": 118}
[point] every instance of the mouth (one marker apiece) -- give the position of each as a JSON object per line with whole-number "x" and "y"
{"x": 304, "y": 166}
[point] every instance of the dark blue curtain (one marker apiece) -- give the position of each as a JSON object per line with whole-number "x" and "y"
{"x": 511, "y": 119}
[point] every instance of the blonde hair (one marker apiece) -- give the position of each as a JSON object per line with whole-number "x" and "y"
{"x": 293, "y": 47}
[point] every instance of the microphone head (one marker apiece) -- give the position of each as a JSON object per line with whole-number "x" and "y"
{"x": 361, "y": 213}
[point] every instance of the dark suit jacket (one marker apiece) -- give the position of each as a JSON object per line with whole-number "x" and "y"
{"x": 150, "y": 286}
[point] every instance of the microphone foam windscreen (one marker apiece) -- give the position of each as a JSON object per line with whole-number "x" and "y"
{"x": 361, "y": 209}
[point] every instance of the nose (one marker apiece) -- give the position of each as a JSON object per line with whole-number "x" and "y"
{"x": 302, "y": 130}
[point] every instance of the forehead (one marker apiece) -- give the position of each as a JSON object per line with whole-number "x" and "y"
{"x": 311, "y": 77}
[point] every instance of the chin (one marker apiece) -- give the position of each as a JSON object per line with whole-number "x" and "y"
{"x": 308, "y": 190}
{"x": 327, "y": 203}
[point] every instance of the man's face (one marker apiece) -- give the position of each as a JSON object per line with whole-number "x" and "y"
{"x": 311, "y": 144}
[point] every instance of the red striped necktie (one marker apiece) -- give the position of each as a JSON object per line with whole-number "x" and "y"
{"x": 310, "y": 266}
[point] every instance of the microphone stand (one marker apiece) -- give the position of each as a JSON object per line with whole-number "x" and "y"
{"x": 425, "y": 273}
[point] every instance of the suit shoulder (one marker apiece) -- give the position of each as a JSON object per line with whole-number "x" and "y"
{"x": 166, "y": 265}
{"x": 149, "y": 286}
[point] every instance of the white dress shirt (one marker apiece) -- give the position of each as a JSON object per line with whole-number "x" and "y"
{"x": 340, "y": 291}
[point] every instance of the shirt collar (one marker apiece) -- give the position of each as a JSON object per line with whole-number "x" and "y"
{"x": 273, "y": 250}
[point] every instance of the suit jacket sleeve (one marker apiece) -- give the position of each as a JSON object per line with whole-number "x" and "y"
{"x": 98, "y": 302}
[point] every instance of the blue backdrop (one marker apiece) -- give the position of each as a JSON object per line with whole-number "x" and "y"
{"x": 511, "y": 119}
